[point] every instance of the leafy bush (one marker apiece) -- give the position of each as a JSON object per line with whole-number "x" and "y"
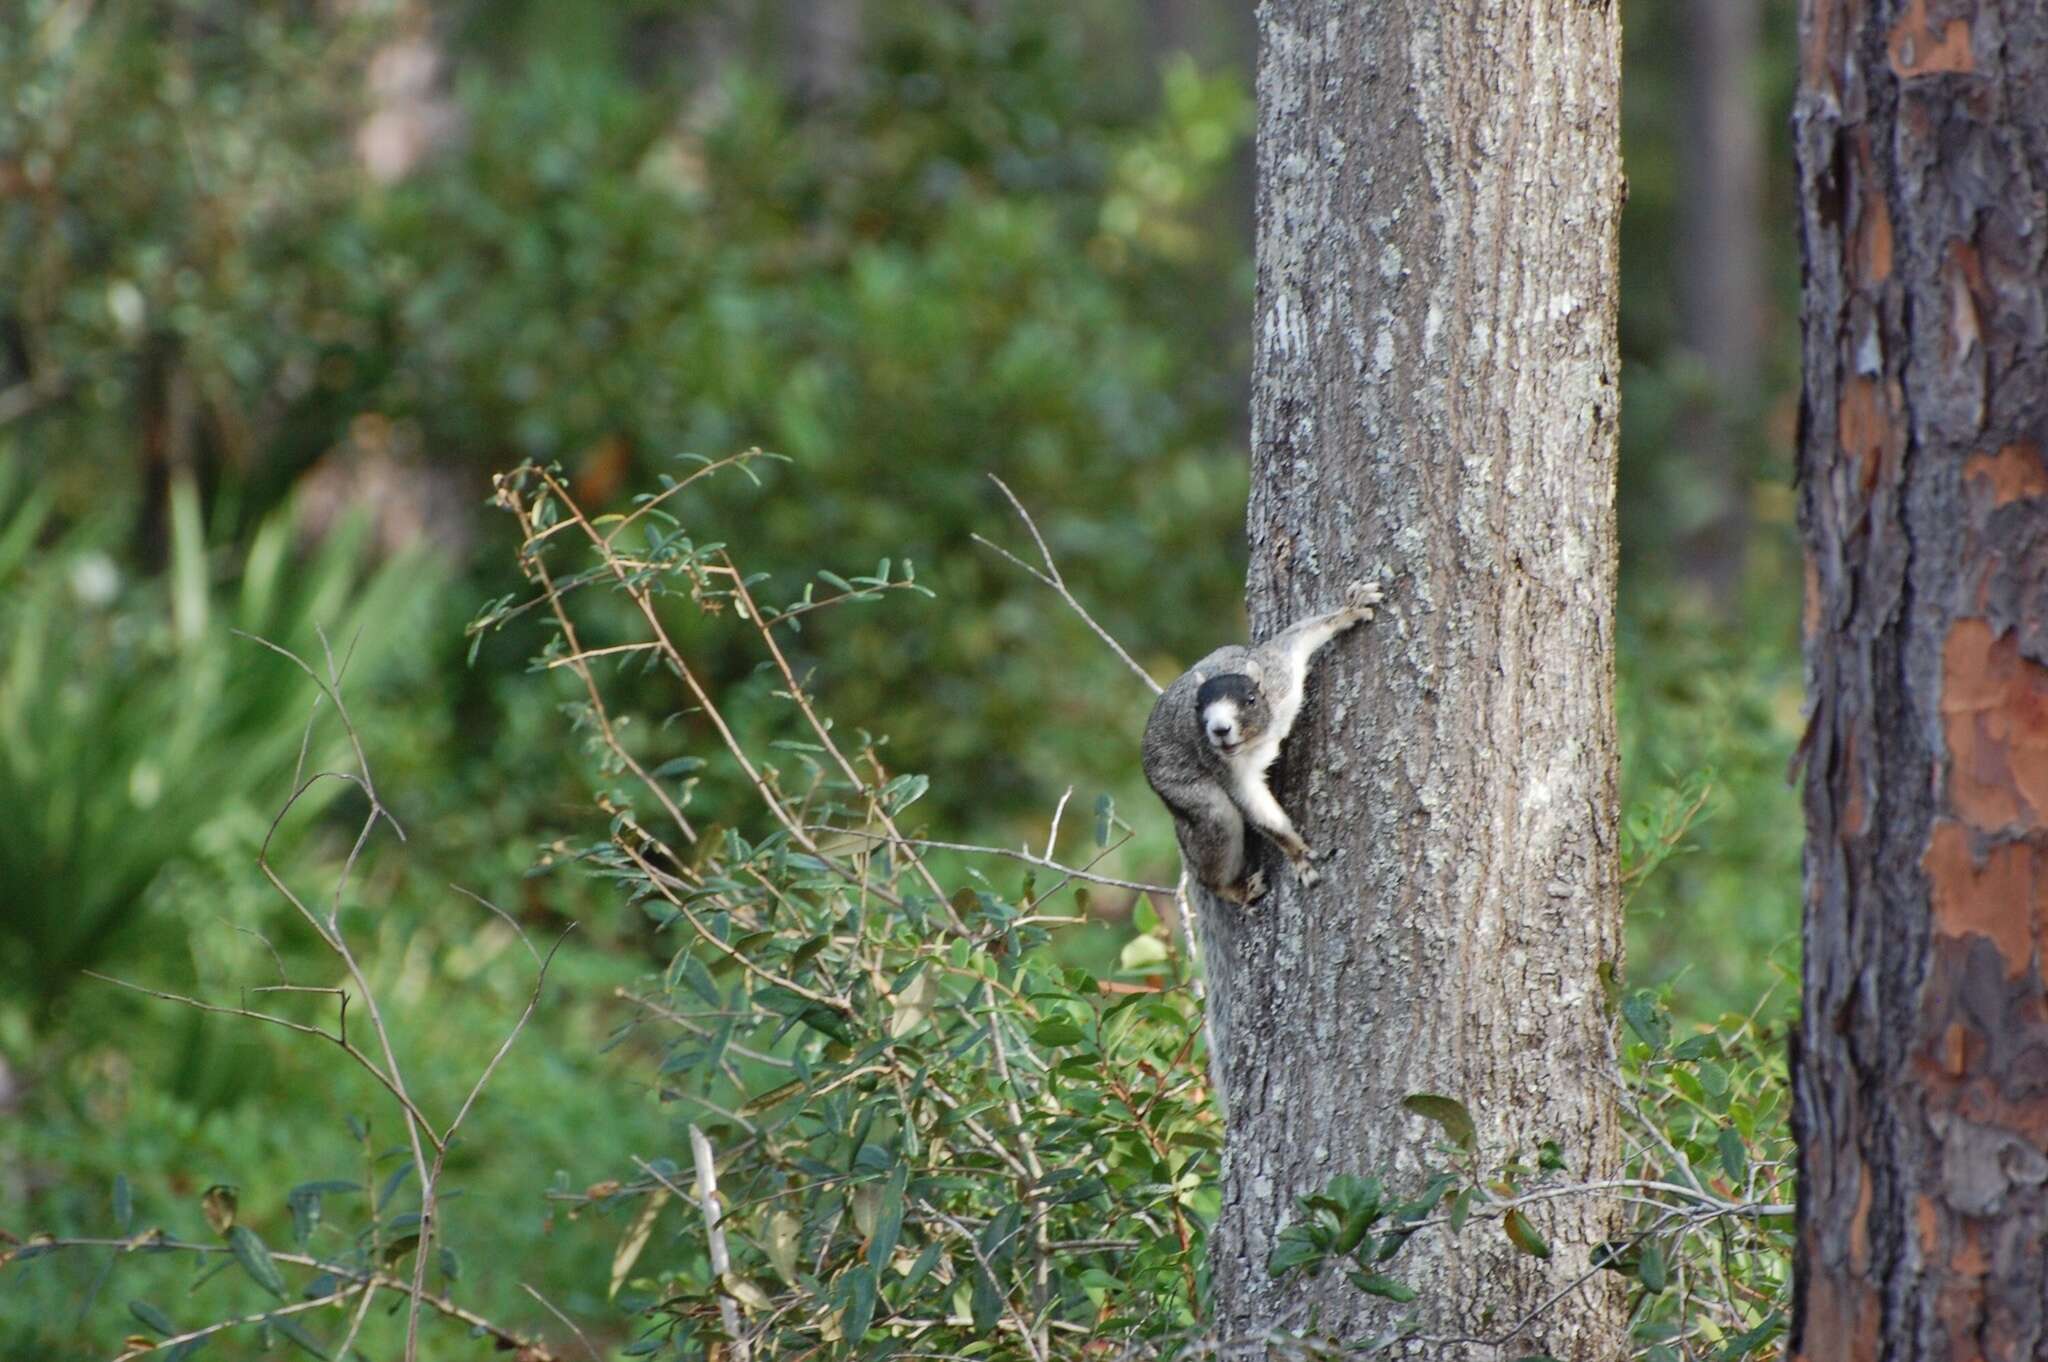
{"x": 926, "y": 1131}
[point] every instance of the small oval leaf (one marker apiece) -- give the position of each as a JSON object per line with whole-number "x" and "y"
{"x": 1524, "y": 1236}
{"x": 1447, "y": 1112}
{"x": 255, "y": 1259}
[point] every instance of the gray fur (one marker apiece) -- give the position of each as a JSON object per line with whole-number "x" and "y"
{"x": 1213, "y": 791}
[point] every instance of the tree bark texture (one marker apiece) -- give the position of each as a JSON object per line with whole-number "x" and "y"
{"x": 1921, "y": 1078}
{"x": 1434, "y": 392}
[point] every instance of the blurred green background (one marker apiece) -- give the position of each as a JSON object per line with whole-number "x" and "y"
{"x": 282, "y": 284}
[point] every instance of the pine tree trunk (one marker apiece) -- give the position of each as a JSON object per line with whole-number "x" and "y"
{"x": 1921, "y": 1081}
{"x": 1434, "y": 391}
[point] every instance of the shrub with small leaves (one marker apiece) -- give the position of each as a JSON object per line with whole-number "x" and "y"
{"x": 910, "y": 1125}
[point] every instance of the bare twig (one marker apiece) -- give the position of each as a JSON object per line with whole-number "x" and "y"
{"x": 1010, "y": 853}
{"x": 714, "y": 1230}
{"x": 341, "y": 1040}
{"x": 1051, "y": 577}
{"x": 193, "y": 1335}
{"x": 1052, "y": 834}
{"x": 352, "y": 1277}
{"x": 567, "y": 1323}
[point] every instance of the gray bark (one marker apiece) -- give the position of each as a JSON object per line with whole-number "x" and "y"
{"x": 1434, "y": 390}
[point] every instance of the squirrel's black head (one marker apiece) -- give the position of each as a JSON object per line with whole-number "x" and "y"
{"x": 1227, "y": 707}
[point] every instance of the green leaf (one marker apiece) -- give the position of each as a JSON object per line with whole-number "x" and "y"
{"x": 1461, "y": 1210}
{"x": 1427, "y": 1199}
{"x": 985, "y": 1306}
{"x": 1524, "y": 1236}
{"x": 1646, "y": 1019}
{"x": 1734, "y": 1158}
{"x": 1143, "y": 952}
{"x": 1376, "y": 1284}
{"x": 888, "y": 1224}
{"x": 1696, "y": 1047}
{"x": 1743, "y": 1344}
{"x": 1058, "y": 1031}
{"x": 254, "y": 1257}
{"x": 926, "y": 1261}
{"x": 1295, "y": 1247}
{"x": 296, "y": 1332}
{"x": 392, "y": 1184}
{"x": 153, "y": 1317}
{"x": 911, "y": 1007}
{"x": 860, "y": 1303}
{"x": 1364, "y": 1210}
{"x": 1616, "y": 1255}
{"x": 1447, "y": 1112}
{"x": 1651, "y": 1270}
{"x": 304, "y": 1203}
{"x": 1105, "y": 812}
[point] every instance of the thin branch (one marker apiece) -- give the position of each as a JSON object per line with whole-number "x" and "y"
{"x": 508, "y": 920}
{"x": 568, "y": 1323}
{"x": 539, "y": 570}
{"x": 1031, "y": 1338}
{"x": 354, "y": 1277}
{"x": 295, "y": 1308}
{"x": 738, "y": 957}
{"x": 367, "y": 1064}
{"x": 1052, "y": 834}
{"x": 1051, "y": 577}
{"x": 714, "y": 1230}
{"x": 1026, "y": 857}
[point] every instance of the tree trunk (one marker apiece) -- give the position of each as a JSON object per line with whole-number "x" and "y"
{"x": 1434, "y": 391}
{"x": 1921, "y": 1078}
{"x": 1721, "y": 302}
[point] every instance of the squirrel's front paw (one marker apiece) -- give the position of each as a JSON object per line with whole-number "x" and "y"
{"x": 1254, "y": 888}
{"x": 1362, "y": 596}
{"x": 1305, "y": 872}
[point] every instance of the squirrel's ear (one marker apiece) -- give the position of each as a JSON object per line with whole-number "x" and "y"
{"x": 1255, "y": 672}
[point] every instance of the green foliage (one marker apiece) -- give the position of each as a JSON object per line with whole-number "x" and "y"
{"x": 1709, "y": 715}
{"x": 1709, "y": 1115}
{"x": 135, "y": 725}
{"x": 925, "y": 1129}
{"x": 1707, "y": 1176}
{"x": 969, "y": 261}
{"x": 311, "y": 1132}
